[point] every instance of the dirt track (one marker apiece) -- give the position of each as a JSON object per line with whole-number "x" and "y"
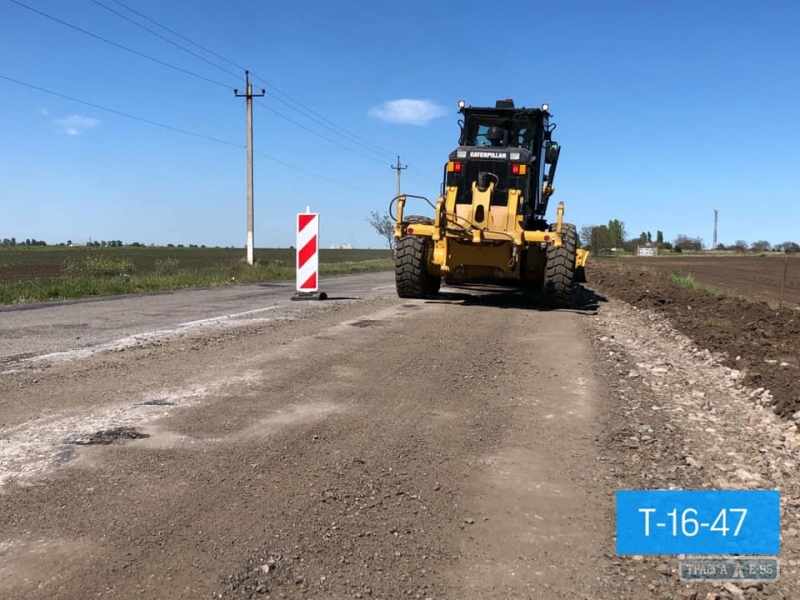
{"x": 462, "y": 448}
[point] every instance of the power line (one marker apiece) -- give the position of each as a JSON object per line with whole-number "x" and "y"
{"x": 420, "y": 175}
{"x": 330, "y": 125}
{"x": 179, "y": 68}
{"x": 175, "y": 33}
{"x": 317, "y": 175}
{"x": 292, "y": 103}
{"x": 166, "y": 39}
{"x": 121, "y": 46}
{"x": 304, "y": 110}
{"x": 120, "y": 113}
{"x": 179, "y": 130}
{"x": 316, "y": 133}
{"x": 352, "y": 138}
{"x": 327, "y": 123}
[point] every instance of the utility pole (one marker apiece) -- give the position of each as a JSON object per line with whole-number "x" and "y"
{"x": 714, "y": 247}
{"x": 249, "y": 96}
{"x": 398, "y": 168}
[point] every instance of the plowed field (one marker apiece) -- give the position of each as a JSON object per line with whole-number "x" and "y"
{"x": 756, "y": 277}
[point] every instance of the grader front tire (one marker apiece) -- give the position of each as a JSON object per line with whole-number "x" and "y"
{"x": 411, "y": 265}
{"x": 559, "y": 278}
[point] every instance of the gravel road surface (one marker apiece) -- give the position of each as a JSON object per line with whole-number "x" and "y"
{"x": 466, "y": 447}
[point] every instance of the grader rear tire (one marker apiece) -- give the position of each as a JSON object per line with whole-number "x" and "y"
{"x": 411, "y": 265}
{"x": 559, "y": 277}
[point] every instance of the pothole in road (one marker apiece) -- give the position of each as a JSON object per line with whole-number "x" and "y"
{"x": 107, "y": 436}
{"x": 365, "y": 323}
{"x": 157, "y": 402}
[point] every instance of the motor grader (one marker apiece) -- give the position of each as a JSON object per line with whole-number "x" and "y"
{"x": 489, "y": 222}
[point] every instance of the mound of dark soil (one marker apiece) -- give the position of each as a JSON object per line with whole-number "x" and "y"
{"x": 761, "y": 342}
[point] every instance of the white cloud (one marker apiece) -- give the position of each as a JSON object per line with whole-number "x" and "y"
{"x": 44, "y": 112}
{"x": 408, "y": 111}
{"x": 76, "y": 124}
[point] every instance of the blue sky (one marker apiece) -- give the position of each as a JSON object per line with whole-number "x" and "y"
{"x": 665, "y": 110}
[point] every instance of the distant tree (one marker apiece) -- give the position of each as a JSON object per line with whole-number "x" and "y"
{"x": 740, "y": 246}
{"x": 586, "y": 235}
{"x": 761, "y": 246}
{"x": 720, "y": 246}
{"x": 631, "y": 244}
{"x": 643, "y": 238}
{"x": 666, "y": 245}
{"x": 788, "y": 247}
{"x": 384, "y": 226}
{"x": 659, "y": 237}
{"x": 170, "y": 245}
{"x": 684, "y": 242}
{"x": 602, "y": 241}
{"x": 616, "y": 230}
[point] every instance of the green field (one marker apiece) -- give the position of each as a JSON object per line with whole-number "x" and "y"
{"x": 37, "y": 273}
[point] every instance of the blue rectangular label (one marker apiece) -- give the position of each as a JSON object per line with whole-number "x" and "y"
{"x": 698, "y": 522}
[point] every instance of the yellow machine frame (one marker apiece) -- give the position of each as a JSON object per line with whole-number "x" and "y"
{"x": 479, "y": 235}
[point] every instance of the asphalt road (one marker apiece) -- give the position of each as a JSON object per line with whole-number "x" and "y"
{"x": 88, "y": 325}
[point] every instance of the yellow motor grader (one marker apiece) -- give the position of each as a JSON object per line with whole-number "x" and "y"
{"x": 489, "y": 222}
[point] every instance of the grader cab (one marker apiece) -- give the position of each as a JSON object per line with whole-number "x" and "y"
{"x": 489, "y": 223}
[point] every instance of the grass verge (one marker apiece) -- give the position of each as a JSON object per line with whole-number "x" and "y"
{"x": 107, "y": 277}
{"x": 689, "y": 282}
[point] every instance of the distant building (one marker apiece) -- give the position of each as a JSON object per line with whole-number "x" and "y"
{"x": 647, "y": 250}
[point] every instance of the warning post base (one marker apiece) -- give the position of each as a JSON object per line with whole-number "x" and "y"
{"x": 310, "y": 296}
